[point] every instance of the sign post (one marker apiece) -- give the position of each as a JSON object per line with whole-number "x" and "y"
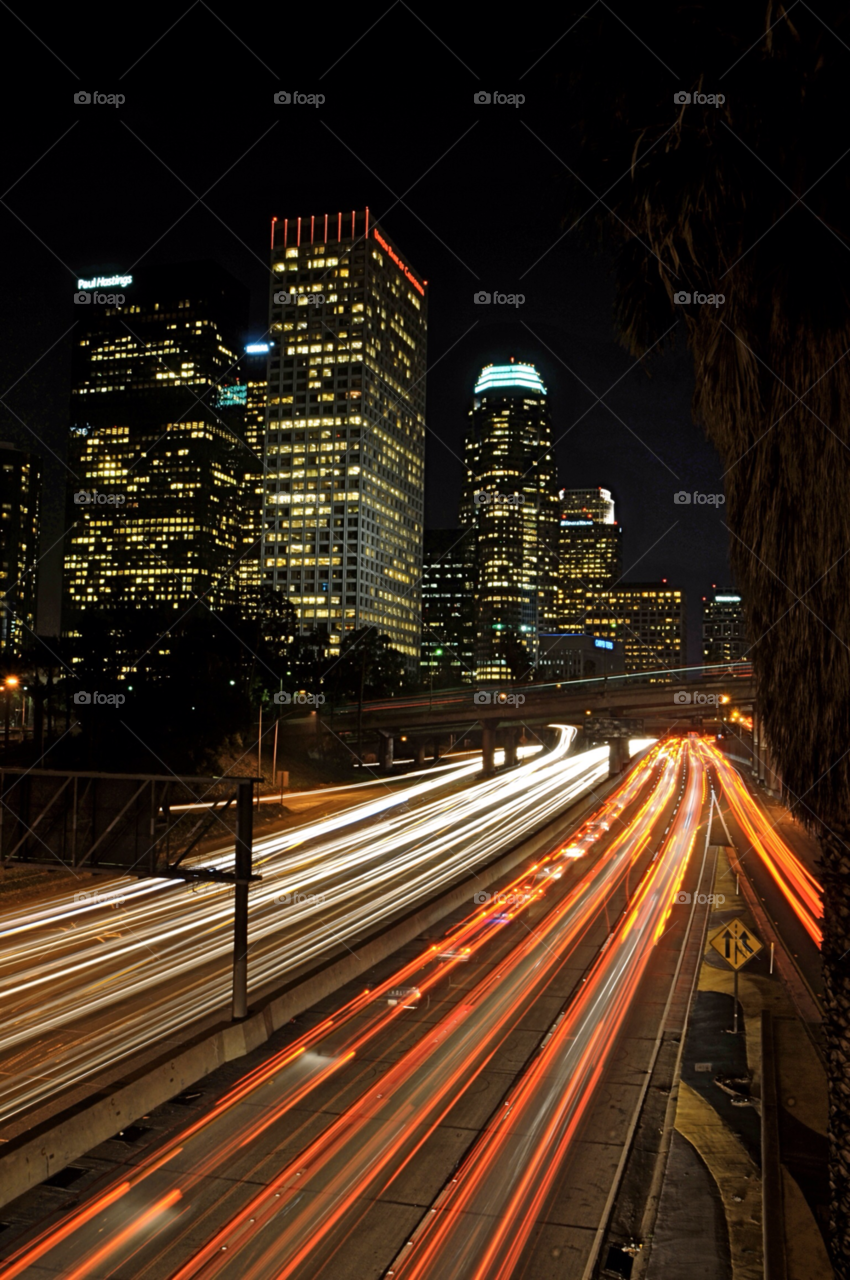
{"x": 736, "y": 943}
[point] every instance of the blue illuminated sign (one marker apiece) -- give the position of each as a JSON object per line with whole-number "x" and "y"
{"x": 603, "y": 644}
{"x": 237, "y": 394}
{"x": 257, "y": 348}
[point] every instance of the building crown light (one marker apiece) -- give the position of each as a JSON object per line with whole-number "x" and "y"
{"x": 497, "y": 376}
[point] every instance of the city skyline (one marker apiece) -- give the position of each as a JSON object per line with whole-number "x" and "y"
{"x": 252, "y": 355}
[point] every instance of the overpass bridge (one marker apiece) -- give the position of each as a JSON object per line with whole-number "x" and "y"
{"x": 664, "y": 699}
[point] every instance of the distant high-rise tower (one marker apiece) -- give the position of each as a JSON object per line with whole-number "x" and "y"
{"x": 649, "y": 618}
{"x": 345, "y": 449}
{"x": 589, "y": 549}
{"x": 158, "y": 465}
{"x": 20, "y": 499}
{"x": 510, "y": 500}
{"x": 724, "y": 635}
{"x": 448, "y": 605}
{"x": 244, "y": 397}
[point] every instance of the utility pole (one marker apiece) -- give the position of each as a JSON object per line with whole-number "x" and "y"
{"x": 244, "y": 841}
{"x": 360, "y": 705}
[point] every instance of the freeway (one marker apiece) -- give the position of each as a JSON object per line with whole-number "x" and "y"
{"x": 147, "y": 1220}
{"x": 86, "y": 983}
{"x": 485, "y": 1218}
{"x": 800, "y": 889}
{"x": 791, "y": 894}
{"x": 363, "y": 1144}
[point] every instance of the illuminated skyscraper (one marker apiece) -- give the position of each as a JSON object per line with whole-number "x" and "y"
{"x": 159, "y": 466}
{"x": 595, "y": 505}
{"x": 590, "y": 551}
{"x": 724, "y": 634}
{"x": 510, "y": 500}
{"x": 649, "y": 618}
{"x": 242, "y": 402}
{"x": 448, "y": 605}
{"x": 345, "y": 449}
{"x": 20, "y": 498}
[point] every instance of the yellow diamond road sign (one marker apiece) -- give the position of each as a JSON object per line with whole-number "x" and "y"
{"x": 736, "y": 943}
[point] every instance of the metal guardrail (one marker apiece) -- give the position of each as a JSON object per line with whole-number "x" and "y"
{"x": 93, "y": 821}
{"x": 123, "y": 824}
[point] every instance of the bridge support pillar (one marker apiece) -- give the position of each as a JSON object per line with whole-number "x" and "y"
{"x": 386, "y": 752}
{"x": 510, "y": 748}
{"x": 619, "y": 756}
{"x": 488, "y": 747}
{"x": 419, "y": 752}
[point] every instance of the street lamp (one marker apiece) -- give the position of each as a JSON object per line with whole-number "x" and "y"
{"x": 9, "y": 686}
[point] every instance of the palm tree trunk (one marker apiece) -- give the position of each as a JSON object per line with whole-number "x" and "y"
{"x": 836, "y": 973}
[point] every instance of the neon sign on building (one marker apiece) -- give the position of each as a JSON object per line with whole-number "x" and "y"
{"x": 397, "y": 260}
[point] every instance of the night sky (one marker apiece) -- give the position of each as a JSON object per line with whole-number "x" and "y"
{"x": 474, "y": 196}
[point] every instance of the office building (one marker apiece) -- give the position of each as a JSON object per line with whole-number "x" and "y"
{"x": 448, "y": 606}
{"x": 649, "y": 619}
{"x": 510, "y": 502}
{"x": 590, "y": 553}
{"x": 345, "y": 449}
{"x": 158, "y": 465}
{"x": 578, "y": 657}
{"x": 724, "y": 636}
{"x": 20, "y": 500}
{"x": 242, "y": 402}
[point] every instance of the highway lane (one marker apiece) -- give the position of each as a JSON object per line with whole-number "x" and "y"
{"x": 790, "y": 892}
{"x": 135, "y": 1218}
{"x": 85, "y": 984}
{"x": 482, "y": 1223}
{"x": 798, "y": 886}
